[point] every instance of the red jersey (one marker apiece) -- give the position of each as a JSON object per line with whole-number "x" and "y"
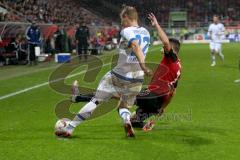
{"x": 166, "y": 76}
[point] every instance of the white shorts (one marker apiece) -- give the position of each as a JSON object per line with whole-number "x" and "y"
{"x": 110, "y": 86}
{"x": 217, "y": 47}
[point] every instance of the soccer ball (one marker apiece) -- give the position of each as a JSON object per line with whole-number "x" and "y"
{"x": 61, "y": 125}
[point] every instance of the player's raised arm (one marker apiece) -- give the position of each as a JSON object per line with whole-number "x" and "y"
{"x": 162, "y": 35}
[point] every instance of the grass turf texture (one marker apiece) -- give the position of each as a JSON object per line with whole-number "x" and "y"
{"x": 27, "y": 119}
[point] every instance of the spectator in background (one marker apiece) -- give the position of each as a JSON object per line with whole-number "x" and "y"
{"x": 82, "y": 37}
{"x": 61, "y": 42}
{"x": 18, "y": 47}
{"x": 33, "y": 36}
{"x": 22, "y": 52}
{"x": 13, "y": 47}
{"x": 1, "y": 17}
{"x": 184, "y": 34}
{"x": 48, "y": 46}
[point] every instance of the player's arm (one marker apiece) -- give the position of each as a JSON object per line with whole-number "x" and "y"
{"x": 222, "y": 32}
{"x": 210, "y": 32}
{"x": 162, "y": 35}
{"x": 140, "y": 56}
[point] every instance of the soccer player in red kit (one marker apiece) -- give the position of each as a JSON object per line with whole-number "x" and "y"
{"x": 154, "y": 100}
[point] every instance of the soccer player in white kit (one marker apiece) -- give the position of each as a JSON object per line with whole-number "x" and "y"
{"x": 216, "y": 32}
{"x": 125, "y": 80}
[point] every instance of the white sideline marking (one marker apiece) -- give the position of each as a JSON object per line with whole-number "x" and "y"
{"x": 24, "y": 90}
{"x": 47, "y": 83}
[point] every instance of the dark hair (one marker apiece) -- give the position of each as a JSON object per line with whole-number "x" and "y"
{"x": 175, "y": 43}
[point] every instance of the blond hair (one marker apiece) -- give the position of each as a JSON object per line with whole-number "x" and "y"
{"x": 130, "y": 12}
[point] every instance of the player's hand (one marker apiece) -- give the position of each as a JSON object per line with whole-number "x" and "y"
{"x": 153, "y": 19}
{"x": 211, "y": 37}
{"x": 148, "y": 72}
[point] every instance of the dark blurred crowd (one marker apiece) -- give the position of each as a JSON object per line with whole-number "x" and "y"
{"x": 69, "y": 11}
{"x": 9, "y": 17}
{"x": 198, "y": 10}
{"x": 48, "y": 11}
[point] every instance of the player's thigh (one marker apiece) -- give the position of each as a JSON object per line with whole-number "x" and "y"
{"x": 218, "y": 47}
{"x": 212, "y": 46}
{"x": 149, "y": 103}
{"x": 105, "y": 89}
{"x": 128, "y": 95}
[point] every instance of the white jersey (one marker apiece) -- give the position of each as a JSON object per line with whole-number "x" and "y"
{"x": 216, "y": 31}
{"x": 128, "y": 67}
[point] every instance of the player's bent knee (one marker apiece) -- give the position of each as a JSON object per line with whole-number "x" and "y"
{"x": 122, "y": 104}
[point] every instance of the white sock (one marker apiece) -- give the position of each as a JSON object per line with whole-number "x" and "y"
{"x": 83, "y": 114}
{"x": 125, "y": 114}
{"x": 213, "y": 57}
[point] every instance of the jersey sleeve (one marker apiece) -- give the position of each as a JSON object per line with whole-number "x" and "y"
{"x": 128, "y": 35}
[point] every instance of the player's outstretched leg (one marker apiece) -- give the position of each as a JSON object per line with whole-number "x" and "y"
{"x": 77, "y": 97}
{"x": 83, "y": 115}
{"x": 139, "y": 117}
{"x": 75, "y": 91}
{"x": 149, "y": 126}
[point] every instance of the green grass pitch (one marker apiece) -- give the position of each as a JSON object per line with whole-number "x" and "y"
{"x": 207, "y": 94}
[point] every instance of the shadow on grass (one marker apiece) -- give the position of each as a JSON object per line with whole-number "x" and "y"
{"x": 229, "y": 66}
{"x": 190, "y": 135}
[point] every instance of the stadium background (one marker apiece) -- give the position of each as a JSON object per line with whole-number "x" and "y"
{"x": 207, "y": 96}
{"x": 187, "y": 20}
